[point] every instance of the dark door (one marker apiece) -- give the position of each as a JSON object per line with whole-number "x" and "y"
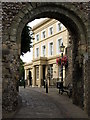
{"x": 30, "y": 77}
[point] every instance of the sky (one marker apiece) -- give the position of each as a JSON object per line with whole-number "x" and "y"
{"x": 29, "y": 55}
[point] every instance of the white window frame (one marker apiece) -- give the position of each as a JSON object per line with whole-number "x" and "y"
{"x": 58, "y": 27}
{"x": 36, "y": 52}
{"x": 49, "y": 30}
{"x": 36, "y": 37}
{"x": 50, "y": 70}
{"x": 49, "y": 48}
{"x": 42, "y": 34}
{"x": 57, "y": 45}
{"x": 42, "y": 50}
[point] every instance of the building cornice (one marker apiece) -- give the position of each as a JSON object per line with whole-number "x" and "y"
{"x": 39, "y": 59}
{"x": 40, "y": 24}
{"x": 44, "y": 25}
{"x": 26, "y": 64}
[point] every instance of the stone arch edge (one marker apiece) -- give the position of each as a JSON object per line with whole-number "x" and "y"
{"x": 19, "y": 18}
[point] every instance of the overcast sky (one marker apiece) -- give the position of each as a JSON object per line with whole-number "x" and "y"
{"x": 29, "y": 55}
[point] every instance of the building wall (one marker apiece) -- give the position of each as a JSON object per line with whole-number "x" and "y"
{"x": 56, "y": 35}
{"x": 27, "y": 68}
{"x": 51, "y": 59}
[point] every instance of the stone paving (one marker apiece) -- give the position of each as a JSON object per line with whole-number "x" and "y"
{"x": 36, "y": 103}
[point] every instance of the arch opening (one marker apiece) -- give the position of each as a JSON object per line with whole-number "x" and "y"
{"x": 77, "y": 31}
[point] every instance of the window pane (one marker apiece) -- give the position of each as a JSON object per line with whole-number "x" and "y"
{"x": 51, "y": 30}
{"x": 60, "y": 41}
{"x": 44, "y": 35}
{"x": 43, "y": 50}
{"x": 37, "y": 37}
{"x": 51, "y": 48}
{"x": 59, "y": 26}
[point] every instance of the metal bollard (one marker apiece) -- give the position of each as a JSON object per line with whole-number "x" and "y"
{"x": 46, "y": 87}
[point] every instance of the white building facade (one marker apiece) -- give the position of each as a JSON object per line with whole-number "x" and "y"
{"x": 49, "y": 36}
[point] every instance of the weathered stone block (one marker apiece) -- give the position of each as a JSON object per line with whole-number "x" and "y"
{"x": 12, "y": 38}
{"x": 5, "y": 51}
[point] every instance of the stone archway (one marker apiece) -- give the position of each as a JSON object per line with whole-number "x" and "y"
{"x": 71, "y": 17}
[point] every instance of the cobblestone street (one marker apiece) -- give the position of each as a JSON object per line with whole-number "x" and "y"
{"x": 36, "y": 103}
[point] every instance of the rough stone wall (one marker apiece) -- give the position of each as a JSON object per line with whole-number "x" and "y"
{"x": 10, "y": 64}
{"x": 10, "y": 51}
{"x": 88, "y": 69}
{"x": 68, "y": 70}
{"x": 9, "y": 11}
{"x": 10, "y": 58}
{"x": 79, "y": 78}
{"x": 0, "y": 60}
{"x": 86, "y": 63}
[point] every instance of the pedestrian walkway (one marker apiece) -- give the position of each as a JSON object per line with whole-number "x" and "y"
{"x": 36, "y": 103}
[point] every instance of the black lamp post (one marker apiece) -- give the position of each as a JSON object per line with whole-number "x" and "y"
{"x": 62, "y": 50}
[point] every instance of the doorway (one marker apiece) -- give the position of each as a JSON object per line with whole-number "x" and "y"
{"x": 30, "y": 78}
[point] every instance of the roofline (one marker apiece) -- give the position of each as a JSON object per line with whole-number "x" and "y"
{"x": 41, "y": 23}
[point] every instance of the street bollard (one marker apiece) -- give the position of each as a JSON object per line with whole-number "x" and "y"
{"x": 24, "y": 83}
{"x": 46, "y": 87}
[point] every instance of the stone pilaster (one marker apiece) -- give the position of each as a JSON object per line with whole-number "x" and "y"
{"x": 34, "y": 76}
{"x": 25, "y": 74}
{"x": 46, "y": 71}
{"x": 40, "y": 75}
